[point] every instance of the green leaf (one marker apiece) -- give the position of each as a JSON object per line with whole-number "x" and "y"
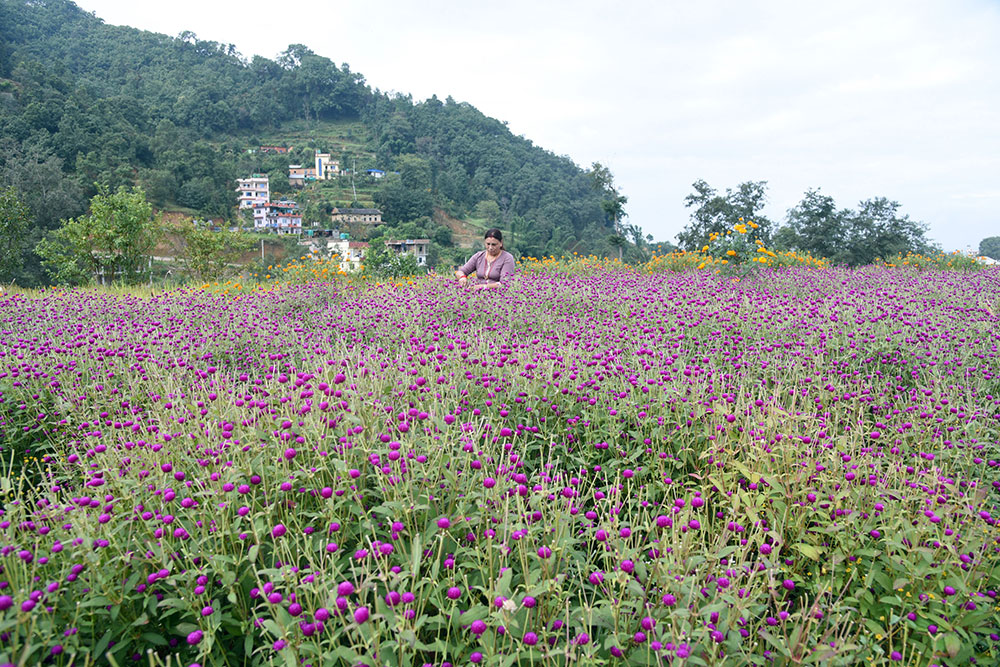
{"x": 103, "y": 643}
{"x": 808, "y": 550}
{"x": 952, "y": 644}
{"x": 154, "y": 638}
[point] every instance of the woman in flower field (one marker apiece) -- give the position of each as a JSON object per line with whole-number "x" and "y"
{"x": 494, "y": 265}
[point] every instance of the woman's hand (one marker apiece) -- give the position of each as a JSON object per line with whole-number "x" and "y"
{"x": 463, "y": 281}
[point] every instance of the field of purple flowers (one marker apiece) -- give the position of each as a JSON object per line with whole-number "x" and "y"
{"x": 799, "y": 467}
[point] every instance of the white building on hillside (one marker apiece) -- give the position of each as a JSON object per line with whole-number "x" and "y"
{"x": 326, "y": 168}
{"x": 280, "y": 217}
{"x": 254, "y": 190}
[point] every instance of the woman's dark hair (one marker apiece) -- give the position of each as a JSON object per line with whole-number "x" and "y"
{"x": 494, "y": 234}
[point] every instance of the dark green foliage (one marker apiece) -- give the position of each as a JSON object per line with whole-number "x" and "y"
{"x": 84, "y": 103}
{"x": 474, "y": 159}
{"x": 113, "y": 242}
{"x": 14, "y": 221}
{"x": 990, "y": 247}
{"x": 848, "y": 237}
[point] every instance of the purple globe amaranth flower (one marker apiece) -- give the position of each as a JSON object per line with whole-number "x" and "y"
{"x": 530, "y": 638}
{"x": 278, "y": 531}
{"x": 361, "y": 615}
{"x": 195, "y": 637}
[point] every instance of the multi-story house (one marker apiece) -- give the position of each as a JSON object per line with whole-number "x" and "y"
{"x": 280, "y": 217}
{"x": 326, "y": 168}
{"x": 371, "y": 216}
{"x": 299, "y": 175}
{"x": 254, "y": 190}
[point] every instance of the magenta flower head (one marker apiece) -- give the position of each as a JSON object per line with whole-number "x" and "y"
{"x": 290, "y": 453}
{"x": 544, "y": 552}
{"x": 788, "y": 584}
{"x": 195, "y": 637}
{"x": 345, "y": 588}
{"x": 454, "y": 593}
{"x": 278, "y": 531}
{"x": 443, "y": 523}
{"x": 360, "y": 615}
{"x": 530, "y": 638}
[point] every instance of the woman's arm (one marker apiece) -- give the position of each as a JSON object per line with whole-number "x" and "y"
{"x": 468, "y": 268}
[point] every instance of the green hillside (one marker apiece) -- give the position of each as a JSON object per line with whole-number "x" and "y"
{"x": 84, "y": 103}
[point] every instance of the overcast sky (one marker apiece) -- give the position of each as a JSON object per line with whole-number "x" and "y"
{"x": 868, "y": 98}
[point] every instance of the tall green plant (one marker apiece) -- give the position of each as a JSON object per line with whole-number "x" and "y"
{"x": 112, "y": 242}
{"x": 14, "y": 220}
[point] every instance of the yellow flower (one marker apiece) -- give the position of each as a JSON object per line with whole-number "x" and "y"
{"x": 731, "y": 253}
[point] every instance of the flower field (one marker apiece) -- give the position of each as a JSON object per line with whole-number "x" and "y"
{"x": 800, "y": 466}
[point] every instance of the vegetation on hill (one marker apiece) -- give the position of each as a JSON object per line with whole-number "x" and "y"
{"x": 84, "y": 104}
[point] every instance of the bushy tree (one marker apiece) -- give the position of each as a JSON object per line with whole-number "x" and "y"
{"x": 990, "y": 247}
{"x": 14, "y": 221}
{"x": 382, "y": 263}
{"x": 209, "y": 255}
{"x": 716, "y": 213}
{"x": 815, "y": 225}
{"x": 114, "y": 240}
{"x": 850, "y": 237}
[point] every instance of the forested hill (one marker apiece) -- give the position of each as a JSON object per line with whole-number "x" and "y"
{"x": 82, "y": 102}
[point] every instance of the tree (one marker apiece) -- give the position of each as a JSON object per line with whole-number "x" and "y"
{"x": 14, "y": 221}
{"x": 815, "y": 226}
{"x": 990, "y": 247}
{"x": 414, "y": 171}
{"x": 113, "y": 241}
{"x": 612, "y": 203}
{"x": 399, "y": 203}
{"x": 715, "y": 213}
{"x": 211, "y": 255}
{"x": 854, "y": 238}
{"x": 877, "y": 230}
{"x": 488, "y": 210}
{"x": 381, "y": 262}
